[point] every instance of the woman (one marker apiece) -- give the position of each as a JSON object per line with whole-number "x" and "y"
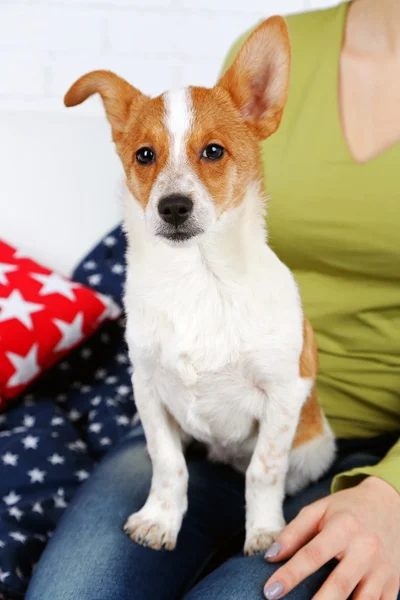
{"x": 332, "y": 172}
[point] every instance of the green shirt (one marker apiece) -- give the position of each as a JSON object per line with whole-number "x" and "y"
{"x": 336, "y": 224}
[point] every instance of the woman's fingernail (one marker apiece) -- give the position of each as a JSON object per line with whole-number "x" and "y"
{"x": 273, "y": 591}
{"x": 273, "y": 550}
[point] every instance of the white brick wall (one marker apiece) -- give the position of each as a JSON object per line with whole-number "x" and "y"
{"x": 156, "y": 44}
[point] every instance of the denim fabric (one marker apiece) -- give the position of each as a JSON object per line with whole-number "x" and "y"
{"x": 89, "y": 557}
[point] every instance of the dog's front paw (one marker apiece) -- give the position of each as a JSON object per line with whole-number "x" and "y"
{"x": 157, "y": 533}
{"x": 259, "y": 540}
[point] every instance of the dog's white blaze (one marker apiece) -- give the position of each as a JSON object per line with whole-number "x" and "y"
{"x": 178, "y": 121}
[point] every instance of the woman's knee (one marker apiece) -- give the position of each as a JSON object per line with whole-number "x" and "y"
{"x": 245, "y": 577}
{"x": 236, "y": 579}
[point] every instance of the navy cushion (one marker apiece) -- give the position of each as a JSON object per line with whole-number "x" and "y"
{"x": 66, "y": 421}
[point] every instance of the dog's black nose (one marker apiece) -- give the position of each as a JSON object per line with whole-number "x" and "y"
{"x": 175, "y": 209}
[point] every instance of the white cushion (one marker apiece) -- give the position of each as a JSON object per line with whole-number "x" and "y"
{"x": 59, "y": 185}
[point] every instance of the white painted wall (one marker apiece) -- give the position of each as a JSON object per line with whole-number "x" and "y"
{"x": 156, "y": 44}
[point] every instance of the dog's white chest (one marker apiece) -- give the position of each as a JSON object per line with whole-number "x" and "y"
{"x": 203, "y": 344}
{"x": 219, "y": 408}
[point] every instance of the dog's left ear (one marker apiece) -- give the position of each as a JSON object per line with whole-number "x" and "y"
{"x": 116, "y": 93}
{"x": 258, "y": 79}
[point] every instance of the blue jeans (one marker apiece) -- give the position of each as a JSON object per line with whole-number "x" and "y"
{"x": 89, "y": 557}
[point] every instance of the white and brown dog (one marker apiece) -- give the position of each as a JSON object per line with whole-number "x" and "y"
{"x": 221, "y": 349}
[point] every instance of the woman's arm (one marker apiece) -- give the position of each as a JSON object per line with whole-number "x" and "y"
{"x": 388, "y": 469}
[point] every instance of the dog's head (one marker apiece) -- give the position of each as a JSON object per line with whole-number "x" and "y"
{"x": 190, "y": 155}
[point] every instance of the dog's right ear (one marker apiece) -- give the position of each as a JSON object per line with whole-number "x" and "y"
{"x": 116, "y": 93}
{"x": 258, "y": 79}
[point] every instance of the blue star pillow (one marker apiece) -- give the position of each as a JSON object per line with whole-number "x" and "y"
{"x": 103, "y": 269}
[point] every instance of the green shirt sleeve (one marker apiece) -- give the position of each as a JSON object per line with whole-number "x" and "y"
{"x": 388, "y": 469}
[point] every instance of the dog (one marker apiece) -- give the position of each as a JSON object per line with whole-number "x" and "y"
{"x": 222, "y": 351}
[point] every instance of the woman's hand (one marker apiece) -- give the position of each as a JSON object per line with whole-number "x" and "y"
{"x": 360, "y": 527}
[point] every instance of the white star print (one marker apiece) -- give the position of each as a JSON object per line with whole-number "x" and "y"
{"x": 15, "y": 512}
{"x": 56, "y": 459}
{"x": 74, "y": 415}
{"x": 123, "y": 390}
{"x": 26, "y": 367}
{"x": 36, "y": 475}
{"x": 64, "y": 366}
{"x": 122, "y": 420}
{"x": 110, "y": 402}
{"x": 59, "y": 502}
{"x": 96, "y": 427}
{"x": 94, "y": 279}
{"x": 89, "y": 265}
{"x": 100, "y": 374}
{"x": 4, "y": 269}
{"x": 111, "y": 380}
{"x": 61, "y": 398}
{"x": 18, "y": 536}
{"x": 82, "y": 474}
{"x": 71, "y": 332}
{"x": 110, "y": 241}
{"x": 30, "y": 442}
{"x": 3, "y": 575}
{"x": 118, "y": 269}
{"x": 96, "y": 401}
{"x": 57, "y": 421}
{"x": 11, "y": 498}
{"x": 37, "y": 507}
{"x": 111, "y": 309}
{"x": 16, "y": 307}
{"x": 55, "y": 284}
{"x": 10, "y": 459}
{"x": 2, "y": 544}
{"x": 77, "y": 446}
{"x": 76, "y": 385}
{"x": 19, "y": 429}
{"x": 105, "y": 441}
{"x": 86, "y": 388}
{"x": 29, "y": 421}
{"x": 18, "y": 572}
{"x": 2, "y": 419}
{"x": 86, "y": 353}
{"x": 105, "y": 338}
{"x": 122, "y": 359}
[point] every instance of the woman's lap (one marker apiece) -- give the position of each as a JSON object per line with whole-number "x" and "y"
{"x": 89, "y": 557}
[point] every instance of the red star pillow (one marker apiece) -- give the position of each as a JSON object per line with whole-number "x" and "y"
{"x": 43, "y": 316}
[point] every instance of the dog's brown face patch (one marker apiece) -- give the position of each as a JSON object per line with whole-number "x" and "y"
{"x": 218, "y": 121}
{"x": 145, "y": 129}
{"x": 212, "y": 119}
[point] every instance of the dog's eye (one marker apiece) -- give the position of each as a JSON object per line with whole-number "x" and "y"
{"x": 213, "y": 152}
{"x": 145, "y": 156}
